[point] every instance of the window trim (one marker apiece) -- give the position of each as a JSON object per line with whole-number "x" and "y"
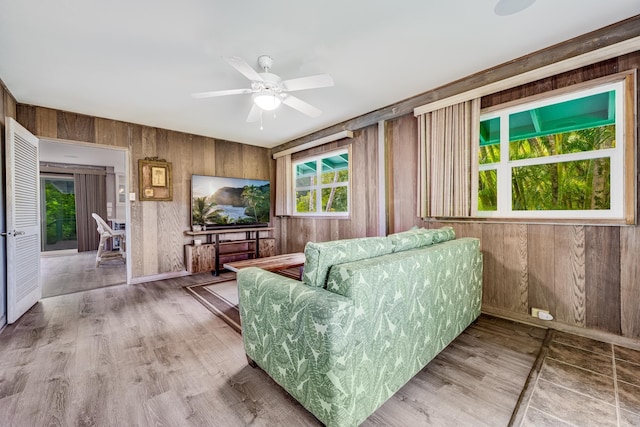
{"x": 623, "y": 201}
{"x": 294, "y": 188}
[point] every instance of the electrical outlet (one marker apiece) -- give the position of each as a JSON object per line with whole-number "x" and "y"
{"x": 535, "y": 311}
{"x": 541, "y": 314}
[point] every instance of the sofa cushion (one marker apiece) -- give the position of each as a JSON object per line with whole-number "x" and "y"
{"x": 319, "y": 257}
{"x": 420, "y": 237}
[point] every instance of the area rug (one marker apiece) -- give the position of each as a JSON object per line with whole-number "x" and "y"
{"x": 221, "y": 299}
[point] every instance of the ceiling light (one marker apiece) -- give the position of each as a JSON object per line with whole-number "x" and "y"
{"x": 511, "y": 7}
{"x": 267, "y": 100}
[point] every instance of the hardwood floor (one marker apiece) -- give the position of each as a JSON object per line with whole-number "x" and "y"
{"x": 65, "y": 274}
{"x": 151, "y": 354}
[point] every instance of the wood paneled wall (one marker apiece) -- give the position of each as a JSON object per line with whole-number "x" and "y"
{"x": 157, "y": 228}
{"x": 294, "y": 233}
{"x": 586, "y": 276}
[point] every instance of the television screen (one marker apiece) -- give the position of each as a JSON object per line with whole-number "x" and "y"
{"x": 218, "y": 202}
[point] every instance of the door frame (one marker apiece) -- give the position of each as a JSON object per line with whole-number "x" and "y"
{"x": 127, "y": 170}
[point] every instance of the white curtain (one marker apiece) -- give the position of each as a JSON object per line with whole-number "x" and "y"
{"x": 448, "y": 163}
{"x": 284, "y": 196}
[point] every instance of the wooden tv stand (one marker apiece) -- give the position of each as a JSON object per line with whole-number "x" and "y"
{"x": 218, "y": 249}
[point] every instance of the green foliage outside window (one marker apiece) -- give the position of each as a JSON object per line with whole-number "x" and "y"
{"x": 566, "y": 185}
{"x": 60, "y": 214}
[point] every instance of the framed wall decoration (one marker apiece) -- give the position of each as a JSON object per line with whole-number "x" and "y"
{"x": 155, "y": 179}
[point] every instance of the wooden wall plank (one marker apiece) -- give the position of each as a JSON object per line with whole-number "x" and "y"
{"x": 143, "y": 216}
{"x": 253, "y": 164}
{"x": 46, "y": 122}
{"x": 111, "y": 132}
{"x": 210, "y": 156}
{"x": 541, "y": 254}
{"x": 602, "y": 278}
{"x": 493, "y": 274}
{"x": 569, "y": 284}
{"x": 369, "y": 150}
{"x": 26, "y": 116}
{"x": 173, "y": 216}
{"x": 228, "y": 159}
{"x": 516, "y": 275}
{"x": 402, "y": 137}
{"x": 360, "y": 187}
{"x": 197, "y": 155}
{"x": 75, "y": 127}
{"x": 629, "y": 282}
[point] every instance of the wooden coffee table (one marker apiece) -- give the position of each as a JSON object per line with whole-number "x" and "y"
{"x": 276, "y": 264}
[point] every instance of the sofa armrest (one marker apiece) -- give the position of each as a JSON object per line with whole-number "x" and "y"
{"x": 301, "y": 336}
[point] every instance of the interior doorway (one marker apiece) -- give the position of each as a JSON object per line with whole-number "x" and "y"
{"x": 68, "y": 265}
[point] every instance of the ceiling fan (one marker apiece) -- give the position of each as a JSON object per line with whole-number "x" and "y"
{"x": 269, "y": 90}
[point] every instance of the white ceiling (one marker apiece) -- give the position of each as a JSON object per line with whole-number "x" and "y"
{"x": 139, "y": 61}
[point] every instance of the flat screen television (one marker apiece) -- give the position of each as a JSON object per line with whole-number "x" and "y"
{"x": 223, "y": 202}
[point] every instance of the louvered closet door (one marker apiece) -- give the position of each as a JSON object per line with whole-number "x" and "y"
{"x": 23, "y": 220}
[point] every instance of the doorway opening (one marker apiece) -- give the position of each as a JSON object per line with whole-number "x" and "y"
{"x": 78, "y": 179}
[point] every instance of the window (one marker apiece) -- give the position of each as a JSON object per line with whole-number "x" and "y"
{"x": 321, "y": 185}
{"x": 559, "y": 157}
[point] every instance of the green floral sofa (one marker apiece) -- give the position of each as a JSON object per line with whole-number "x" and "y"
{"x": 368, "y": 315}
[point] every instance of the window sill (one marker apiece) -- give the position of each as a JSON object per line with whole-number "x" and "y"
{"x": 539, "y": 221}
{"x": 297, "y": 216}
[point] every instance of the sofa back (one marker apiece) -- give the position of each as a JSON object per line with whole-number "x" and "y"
{"x": 320, "y": 257}
{"x": 420, "y": 237}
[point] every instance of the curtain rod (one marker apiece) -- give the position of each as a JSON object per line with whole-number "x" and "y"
{"x": 315, "y": 143}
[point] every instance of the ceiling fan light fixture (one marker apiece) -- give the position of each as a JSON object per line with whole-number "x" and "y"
{"x": 267, "y": 101}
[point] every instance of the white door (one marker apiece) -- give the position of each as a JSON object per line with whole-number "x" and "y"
{"x": 23, "y": 220}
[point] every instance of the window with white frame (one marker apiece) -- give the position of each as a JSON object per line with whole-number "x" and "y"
{"x": 321, "y": 185}
{"x": 558, "y": 157}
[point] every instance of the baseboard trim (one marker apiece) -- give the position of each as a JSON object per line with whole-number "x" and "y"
{"x": 563, "y": 327}
{"x": 163, "y": 276}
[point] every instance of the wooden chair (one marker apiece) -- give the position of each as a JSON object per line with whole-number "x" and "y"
{"x": 107, "y": 233}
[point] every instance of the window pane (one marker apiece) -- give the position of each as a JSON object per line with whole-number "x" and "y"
{"x": 576, "y": 114}
{"x": 306, "y": 201}
{"x": 576, "y": 185}
{"x": 335, "y": 199}
{"x": 306, "y": 169}
{"x": 335, "y": 169}
{"x": 335, "y": 176}
{"x": 598, "y": 138}
{"x": 488, "y": 190}
{"x": 306, "y": 181}
{"x": 490, "y": 141}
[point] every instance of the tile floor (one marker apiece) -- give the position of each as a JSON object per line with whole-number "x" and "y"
{"x": 586, "y": 383}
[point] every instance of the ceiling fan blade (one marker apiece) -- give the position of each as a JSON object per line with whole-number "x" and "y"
{"x": 221, "y": 93}
{"x": 242, "y": 66}
{"x": 300, "y": 105}
{"x": 310, "y": 82}
{"x": 254, "y": 113}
